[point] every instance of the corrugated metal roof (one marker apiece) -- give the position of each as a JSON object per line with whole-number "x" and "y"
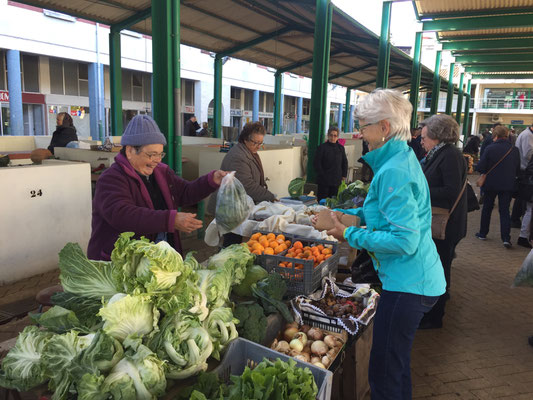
{"x": 429, "y": 7}
{"x": 490, "y": 33}
{"x": 219, "y": 25}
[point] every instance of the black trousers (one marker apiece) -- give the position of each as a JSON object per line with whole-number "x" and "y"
{"x": 446, "y": 251}
{"x": 326, "y": 191}
{"x": 519, "y": 208}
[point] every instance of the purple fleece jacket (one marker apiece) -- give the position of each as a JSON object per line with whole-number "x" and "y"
{"x": 122, "y": 204}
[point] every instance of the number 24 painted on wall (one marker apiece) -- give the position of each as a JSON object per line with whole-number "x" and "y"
{"x": 35, "y": 193}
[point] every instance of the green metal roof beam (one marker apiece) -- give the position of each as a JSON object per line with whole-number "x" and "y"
{"x": 299, "y": 64}
{"x": 493, "y": 58}
{"x": 473, "y": 13}
{"x": 501, "y": 68}
{"x": 351, "y": 71}
{"x": 337, "y": 35}
{"x": 140, "y": 16}
{"x": 496, "y": 44}
{"x": 255, "y": 41}
{"x": 502, "y": 76}
{"x": 446, "y": 39}
{"x": 474, "y": 23}
{"x": 367, "y": 83}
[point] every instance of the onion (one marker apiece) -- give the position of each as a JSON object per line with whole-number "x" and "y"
{"x": 302, "y": 337}
{"x": 315, "y": 359}
{"x": 319, "y": 364}
{"x": 315, "y": 334}
{"x": 307, "y": 348}
{"x": 302, "y": 357}
{"x": 297, "y": 345}
{"x": 332, "y": 353}
{"x": 294, "y": 353}
{"x": 289, "y": 333}
{"x": 291, "y": 325}
{"x": 326, "y": 361}
{"x": 305, "y": 328}
{"x": 331, "y": 341}
{"x": 274, "y": 344}
{"x": 319, "y": 348}
{"x": 283, "y": 347}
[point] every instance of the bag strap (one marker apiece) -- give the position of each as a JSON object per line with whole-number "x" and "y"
{"x": 459, "y": 197}
{"x": 501, "y": 159}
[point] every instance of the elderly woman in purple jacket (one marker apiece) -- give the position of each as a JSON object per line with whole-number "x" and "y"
{"x": 140, "y": 194}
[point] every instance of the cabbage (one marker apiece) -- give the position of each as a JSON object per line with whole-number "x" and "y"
{"x": 83, "y": 277}
{"x": 235, "y": 258}
{"x": 127, "y": 315}
{"x": 154, "y": 267}
{"x": 220, "y": 324}
{"x": 296, "y": 187}
{"x": 22, "y": 367}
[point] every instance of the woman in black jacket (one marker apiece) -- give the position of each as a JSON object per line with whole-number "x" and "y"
{"x": 500, "y": 181}
{"x": 65, "y": 132}
{"x": 331, "y": 165}
{"x": 445, "y": 169}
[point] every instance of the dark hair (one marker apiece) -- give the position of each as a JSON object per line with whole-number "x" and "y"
{"x": 123, "y": 149}
{"x": 249, "y": 129}
{"x": 333, "y": 129}
{"x": 67, "y": 119}
{"x": 500, "y": 131}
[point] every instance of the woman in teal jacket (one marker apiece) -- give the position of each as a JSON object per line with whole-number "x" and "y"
{"x": 397, "y": 215}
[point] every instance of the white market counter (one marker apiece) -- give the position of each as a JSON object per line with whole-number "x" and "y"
{"x": 43, "y": 207}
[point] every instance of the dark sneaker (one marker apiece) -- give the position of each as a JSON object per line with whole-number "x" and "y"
{"x": 507, "y": 245}
{"x": 522, "y": 241}
{"x": 480, "y": 237}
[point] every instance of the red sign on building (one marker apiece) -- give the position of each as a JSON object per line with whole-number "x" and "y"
{"x": 4, "y": 96}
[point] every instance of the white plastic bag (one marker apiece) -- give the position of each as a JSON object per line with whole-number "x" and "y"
{"x": 233, "y": 204}
{"x": 524, "y": 276}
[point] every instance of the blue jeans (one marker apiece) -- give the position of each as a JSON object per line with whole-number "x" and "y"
{"x": 395, "y": 324}
{"x": 504, "y": 202}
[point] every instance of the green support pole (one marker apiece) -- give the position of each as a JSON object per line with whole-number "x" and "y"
{"x": 449, "y": 96}
{"x": 322, "y": 37}
{"x": 327, "y": 55}
{"x": 162, "y": 55}
{"x": 347, "y": 111}
{"x": 459, "y": 108}
{"x": 384, "y": 47}
{"x": 217, "y": 107}
{"x": 277, "y": 102}
{"x": 435, "y": 91}
{"x": 176, "y": 86}
{"x": 467, "y": 111}
{"x": 415, "y": 79}
{"x": 115, "y": 75}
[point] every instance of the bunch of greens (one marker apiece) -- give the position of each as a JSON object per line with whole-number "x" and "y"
{"x": 349, "y": 196}
{"x": 122, "y": 328}
{"x": 269, "y": 293}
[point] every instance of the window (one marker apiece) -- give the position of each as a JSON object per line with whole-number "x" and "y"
{"x": 235, "y": 100}
{"x": 83, "y": 79}
{"x": 137, "y": 85}
{"x": 306, "y": 106}
{"x": 126, "y": 85}
{"x": 188, "y": 92}
{"x": 70, "y": 70}
{"x": 262, "y": 101}
{"x": 56, "y": 76}
{"x": 248, "y": 99}
{"x": 289, "y": 104}
{"x": 270, "y": 102}
{"x": 30, "y": 73}
{"x": 3, "y": 84}
{"x": 68, "y": 77}
{"x": 147, "y": 87}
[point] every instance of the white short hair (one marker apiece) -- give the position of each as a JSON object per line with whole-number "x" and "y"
{"x": 390, "y": 105}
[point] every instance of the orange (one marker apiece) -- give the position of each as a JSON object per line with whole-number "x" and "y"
{"x": 270, "y": 236}
{"x": 284, "y": 246}
{"x": 299, "y": 266}
{"x": 256, "y": 236}
{"x": 280, "y": 241}
{"x": 307, "y": 248}
{"x": 307, "y": 254}
{"x": 282, "y": 264}
{"x": 278, "y": 249}
{"x": 320, "y": 258}
{"x": 269, "y": 250}
{"x": 251, "y": 242}
{"x": 298, "y": 245}
{"x": 320, "y": 247}
{"x": 327, "y": 256}
{"x": 288, "y": 243}
{"x": 258, "y": 246}
{"x": 280, "y": 236}
{"x": 289, "y": 265}
{"x": 298, "y": 251}
{"x": 326, "y": 251}
{"x": 273, "y": 244}
{"x": 264, "y": 241}
{"x": 256, "y": 252}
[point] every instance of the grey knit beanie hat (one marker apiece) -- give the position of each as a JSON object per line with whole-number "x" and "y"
{"x": 142, "y": 130}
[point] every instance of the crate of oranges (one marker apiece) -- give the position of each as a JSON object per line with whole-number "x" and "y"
{"x": 302, "y": 262}
{"x": 263, "y": 243}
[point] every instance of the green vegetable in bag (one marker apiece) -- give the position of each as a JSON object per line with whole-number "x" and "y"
{"x": 233, "y": 207}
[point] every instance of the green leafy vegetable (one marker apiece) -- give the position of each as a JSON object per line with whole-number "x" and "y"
{"x": 22, "y": 367}
{"x": 252, "y": 321}
{"x": 220, "y": 324}
{"x": 232, "y": 207}
{"x": 253, "y": 274}
{"x": 127, "y": 315}
{"x": 296, "y": 187}
{"x": 269, "y": 293}
{"x": 59, "y": 320}
{"x": 85, "y": 308}
{"x": 236, "y": 258}
{"x": 207, "y": 387}
{"x": 83, "y": 277}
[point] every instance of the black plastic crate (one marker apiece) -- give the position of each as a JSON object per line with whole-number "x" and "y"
{"x": 308, "y": 279}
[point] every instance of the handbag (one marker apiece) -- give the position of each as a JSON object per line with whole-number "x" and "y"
{"x": 363, "y": 270}
{"x": 471, "y": 198}
{"x": 481, "y": 180}
{"x": 440, "y": 216}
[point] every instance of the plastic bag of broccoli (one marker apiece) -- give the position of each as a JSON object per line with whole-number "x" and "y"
{"x": 233, "y": 204}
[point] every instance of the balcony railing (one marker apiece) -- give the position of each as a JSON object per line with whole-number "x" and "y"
{"x": 508, "y": 104}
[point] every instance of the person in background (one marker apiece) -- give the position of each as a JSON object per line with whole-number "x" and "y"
{"x": 487, "y": 140}
{"x": 524, "y": 143}
{"x": 65, "y": 132}
{"x": 243, "y": 158}
{"x": 416, "y": 144}
{"x": 140, "y": 194}
{"x": 331, "y": 165}
{"x": 472, "y": 145}
{"x": 204, "y": 131}
{"x": 499, "y": 182}
{"x": 397, "y": 215}
{"x": 445, "y": 170}
{"x": 191, "y": 126}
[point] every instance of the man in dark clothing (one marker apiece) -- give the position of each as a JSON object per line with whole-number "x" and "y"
{"x": 331, "y": 165}
{"x": 416, "y": 143}
{"x": 191, "y": 126}
{"x": 487, "y": 140}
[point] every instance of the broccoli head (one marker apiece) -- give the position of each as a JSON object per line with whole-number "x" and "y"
{"x": 252, "y": 321}
{"x": 274, "y": 286}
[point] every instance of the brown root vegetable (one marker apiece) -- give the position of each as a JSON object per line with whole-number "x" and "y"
{"x": 294, "y": 353}
{"x": 302, "y": 357}
{"x": 315, "y": 359}
{"x": 319, "y": 364}
{"x": 305, "y": 329}
{"x": 319, "y": 348}
{"x": 289, "y": 333}
{"x": 283, "y": 347}
{"x": 326, "y": 361}
{"x": 302, "y": 337}
{"x": 315, "y": 334}
{"x": 332, "y": 341}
